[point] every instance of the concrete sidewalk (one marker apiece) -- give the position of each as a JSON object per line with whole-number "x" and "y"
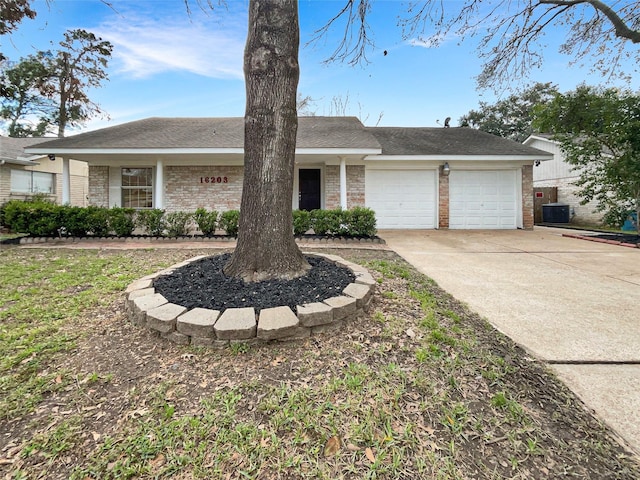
{"x": 572, "y": 303}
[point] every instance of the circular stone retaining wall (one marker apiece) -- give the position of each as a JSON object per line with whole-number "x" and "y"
{"x": 205, "y": 327}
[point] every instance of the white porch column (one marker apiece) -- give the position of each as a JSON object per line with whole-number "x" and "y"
{"x": 66, "y": 182}
{"x": 343, "y": 183}
{"x": 158, "y": 187}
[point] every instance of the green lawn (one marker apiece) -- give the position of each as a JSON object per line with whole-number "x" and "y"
{"x": 419, "y": 388}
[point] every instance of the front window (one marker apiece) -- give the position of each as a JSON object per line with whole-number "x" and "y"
{"x": 26, "y": 181}
{"x": 137, "y": 188}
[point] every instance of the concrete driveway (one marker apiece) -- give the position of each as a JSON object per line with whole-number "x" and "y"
{"x": 572, "y": 303}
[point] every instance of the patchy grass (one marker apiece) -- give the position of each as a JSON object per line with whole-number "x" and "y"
{"x": 419, "y": 388}
{"x": 44, "y": 295}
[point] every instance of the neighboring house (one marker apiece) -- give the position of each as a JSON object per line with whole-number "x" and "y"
{"x": 24, "y": 175}
{"x": 558, "y": 173}
{"x": 412, "y": 177}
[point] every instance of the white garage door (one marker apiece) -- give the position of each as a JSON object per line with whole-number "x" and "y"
{"x": 402, "y": 198}
{"x": 483, "y": 199}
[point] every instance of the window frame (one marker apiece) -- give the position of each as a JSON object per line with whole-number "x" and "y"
{"x": 50, "y": 176}
{"x": 141, "y": 187}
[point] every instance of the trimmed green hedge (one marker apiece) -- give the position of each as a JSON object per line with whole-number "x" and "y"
{"x": 43, "y": 218}
{"x": 356, "y": 222}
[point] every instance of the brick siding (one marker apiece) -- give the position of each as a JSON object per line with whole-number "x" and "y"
{"x": 184, "y": 190}
{"x": 355, "y": 186}
{"x": 527, "y": 197}
{"x": 443, "y": 200}
{"x": 331, "y": 187}
{"x": 99, "y": 186}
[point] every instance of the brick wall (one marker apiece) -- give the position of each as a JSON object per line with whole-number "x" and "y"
{"x": 443, "y": 200}
{"x": 185, "y": 191}
{"x": 99, "y": 186}
{"x": 331, "y": 187}
{"x": 355, "y": 186}
{"x": 527, "y": 197}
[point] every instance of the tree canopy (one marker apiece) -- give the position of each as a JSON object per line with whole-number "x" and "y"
{"x": 22, "y": 105}
{"x": 511, "y": 117}
{"x": 49, "y": 90}
{"x": 599, "y": 132}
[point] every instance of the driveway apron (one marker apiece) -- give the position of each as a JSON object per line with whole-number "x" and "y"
{"x": 572, "y": 303}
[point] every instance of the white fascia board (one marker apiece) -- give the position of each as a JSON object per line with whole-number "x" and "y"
{"x": 134, "y": 151}
{"x": 460, "y": 158}
{"x": 191, "y": 151}
{"x": 534, "y": 137}
{"x": 338, "y": 151}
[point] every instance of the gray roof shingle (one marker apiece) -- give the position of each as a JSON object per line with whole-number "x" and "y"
{"x": 159, "y": 133}
{"x": 446, "y": 141}
{"x": 313, "y": 133}
{"x": 13, "y": 148}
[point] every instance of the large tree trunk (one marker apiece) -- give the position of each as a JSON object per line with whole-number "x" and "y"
{"x": 266, "y": 248}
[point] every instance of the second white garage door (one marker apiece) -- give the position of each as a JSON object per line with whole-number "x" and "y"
{"x": 483, "y": 199}
{"x": 402, "y": 198}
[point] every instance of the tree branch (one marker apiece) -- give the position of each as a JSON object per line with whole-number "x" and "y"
{"x": 621, "y": 28}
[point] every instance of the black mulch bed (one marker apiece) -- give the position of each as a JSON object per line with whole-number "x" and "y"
{"x": 203, "y": 284}
{"x": 619, "y": 237}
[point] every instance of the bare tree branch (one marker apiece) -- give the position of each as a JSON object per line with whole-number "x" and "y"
{"x": 621, "y": 28}
{"x": 512, "y": 33}
{"x": 356, "y": 39}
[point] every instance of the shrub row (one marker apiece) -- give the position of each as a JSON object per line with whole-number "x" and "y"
{"x": 45, "y": 219}
{"x": 356, "y": 222}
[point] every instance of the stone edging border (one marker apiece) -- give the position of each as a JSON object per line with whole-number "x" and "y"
{"x": 600, "y": 240}
{"x": 204, "y": 327}
{"x": 219, "y": 238}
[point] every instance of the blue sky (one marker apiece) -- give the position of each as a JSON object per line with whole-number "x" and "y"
{"x": 166, "y": 63}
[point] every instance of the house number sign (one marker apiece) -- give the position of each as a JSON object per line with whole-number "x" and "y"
{"x": 214, "y": 179}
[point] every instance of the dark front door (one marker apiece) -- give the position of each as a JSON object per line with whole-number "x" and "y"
{"x": 309, "y": 188}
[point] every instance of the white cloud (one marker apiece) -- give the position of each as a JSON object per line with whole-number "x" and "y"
{"x": 433, "y": 41}
{"x": 149, "y": 47}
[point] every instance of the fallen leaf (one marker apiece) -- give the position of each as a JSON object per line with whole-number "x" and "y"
{"x": 58, "y": 379}
{"x": 353, "y": 448}
{"x": 140, "y": 412}
{"x": 332, "y": 446}
{"x": 369, "y": 453}
{"x": 159, "y": 461}
{"x": 410, "y": 333}
{"x": 277, "y": 361}
{"x": 96, "y": 436}
{"x": 264, "y": 442}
